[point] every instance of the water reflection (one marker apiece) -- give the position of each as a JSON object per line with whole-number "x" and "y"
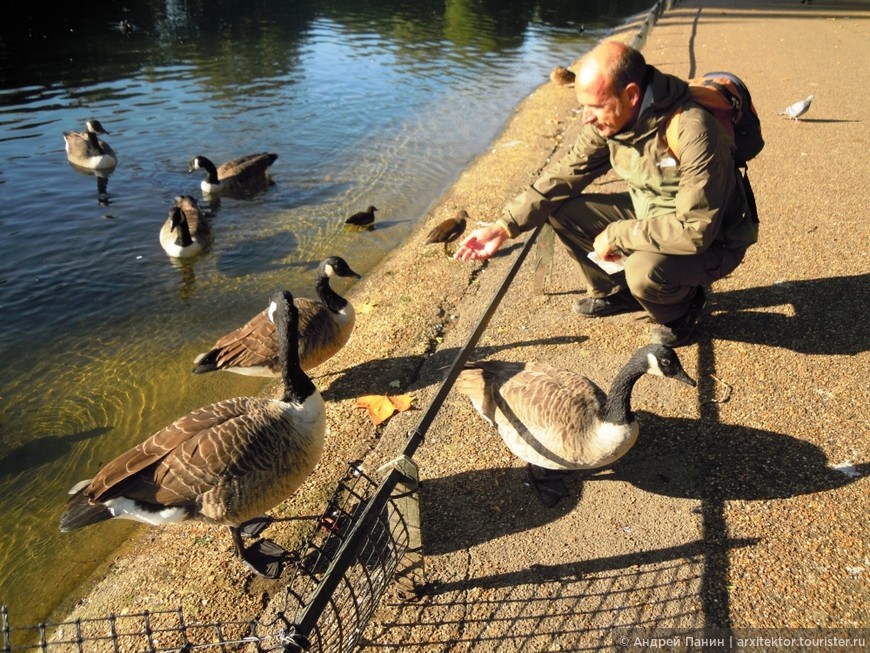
{"x": 102, "y": 177}
{"x": 365, "y": 101}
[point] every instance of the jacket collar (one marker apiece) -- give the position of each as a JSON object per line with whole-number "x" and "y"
{"x": 662, "y": 95}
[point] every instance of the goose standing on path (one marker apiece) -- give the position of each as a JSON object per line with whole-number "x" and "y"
{"x": 85, "y": 150}
{"x": 186, "y": 231}
{"x": 241, "y": 176}
{"x": 559, "y": 420}
{"x": 226, "y": 463}
{"x": 325, "y": 326}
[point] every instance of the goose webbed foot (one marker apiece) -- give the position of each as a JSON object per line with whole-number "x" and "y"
{"x": 549, "y": 485}
{"x": 253, "y": 527}
{"x": 264, "y": 557}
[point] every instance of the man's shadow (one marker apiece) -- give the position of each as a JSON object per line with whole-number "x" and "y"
{"x": 817, "y": 316}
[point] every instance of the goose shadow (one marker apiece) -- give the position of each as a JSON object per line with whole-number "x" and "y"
{"x": 711, "y": 461}
{"x": 470, "y": 508}
{"x": 36, "y": 453}
{"x": 819, "y": 316}
{"x": 102, "y": 177}
{"x": 374, "y": 375}
{"x": 673, "y": 457}
{"x": 257, "y": 255}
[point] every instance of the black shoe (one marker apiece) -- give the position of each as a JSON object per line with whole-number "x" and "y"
{"x": 621, "y": 302}
{"x": 680, "y": 331}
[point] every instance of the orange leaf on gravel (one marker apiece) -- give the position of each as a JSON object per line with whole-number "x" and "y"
{"x": 382, "y": 407}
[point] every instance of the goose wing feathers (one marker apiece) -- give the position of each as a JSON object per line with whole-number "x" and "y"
{"x": 227, "y": 462}
{"x": 250, "y": 346}
{"x": 545, "y": 399}
{"x": 543, "y": 414}
{"x": 248, "y": 167}
{"x": 322, "y": 334}
{"x": 253, "y": 346}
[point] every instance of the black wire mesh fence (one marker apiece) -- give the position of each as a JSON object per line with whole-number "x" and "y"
{"x": 335, "y": 579}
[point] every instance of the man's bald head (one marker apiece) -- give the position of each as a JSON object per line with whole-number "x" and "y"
{"x": 609, "y": 86}
{"x": 613, "y": 63}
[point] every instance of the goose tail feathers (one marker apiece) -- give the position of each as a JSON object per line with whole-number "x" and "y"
{"x": 206, "y": 362}
{"x": 81, "y": 512}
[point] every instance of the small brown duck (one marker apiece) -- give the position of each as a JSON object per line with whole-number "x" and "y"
{"x": 562, "y": 76}
{"x": 363, "y": 218}
{"x": 448, "y": 230}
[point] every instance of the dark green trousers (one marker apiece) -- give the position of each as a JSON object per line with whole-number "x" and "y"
{"x": 664, "y": 284}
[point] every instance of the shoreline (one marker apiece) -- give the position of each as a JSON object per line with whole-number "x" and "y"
{"x": 725, "y": 514}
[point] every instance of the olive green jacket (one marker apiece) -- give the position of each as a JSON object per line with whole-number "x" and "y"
{"x": 682, "y": 207}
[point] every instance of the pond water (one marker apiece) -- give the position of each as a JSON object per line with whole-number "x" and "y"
{"x": 365, "y": 102}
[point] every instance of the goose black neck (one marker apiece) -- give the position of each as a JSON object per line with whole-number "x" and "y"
{"x": 210, "y": 169}
{"x": 297, "y": 385}
{"x": 95, "y": 142}
{"x": 618, "y": 407}
{"x": 184, "y": 238}
{"x": 334, "y": 302}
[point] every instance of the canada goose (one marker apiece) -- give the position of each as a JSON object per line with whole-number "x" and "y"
{"x": 324, "y": 327}
{"x": 186, "y": 231}
{"x": 559, "y": 420}
{"x": 448, "y": 230}
{"x": 562, "y": 76}
{"x": 85, "y": 150}
{"x": 362, "y": 218}
{"x": 225, "y": 463}
{"x": 238, "y": 176}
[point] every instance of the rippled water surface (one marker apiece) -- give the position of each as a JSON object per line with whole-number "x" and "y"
{"x": 364, "y": 102}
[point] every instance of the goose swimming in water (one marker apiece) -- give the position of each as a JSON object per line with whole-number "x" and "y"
{"x": 186, "y": 231}
{"x": 244, "y": 175}
{"x": 325, "y": 326}
{"x": 226, "y": 463}
{"x": 558, "y": 419}
{"x": 85, "y": 150}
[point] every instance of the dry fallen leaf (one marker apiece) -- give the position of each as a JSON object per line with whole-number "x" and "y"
{"x": 365, "y": 308}
{"x": 382, "y": 407}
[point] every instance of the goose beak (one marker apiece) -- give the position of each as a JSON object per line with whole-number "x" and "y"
{"x": 682, "y": 377}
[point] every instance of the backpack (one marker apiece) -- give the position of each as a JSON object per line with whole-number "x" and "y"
{"x": 728, "y": 99}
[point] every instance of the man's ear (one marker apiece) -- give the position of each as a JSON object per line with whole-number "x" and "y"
{"x": 632, "y": 94}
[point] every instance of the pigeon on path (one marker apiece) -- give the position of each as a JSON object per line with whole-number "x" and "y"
{"x": 796, "y": 110}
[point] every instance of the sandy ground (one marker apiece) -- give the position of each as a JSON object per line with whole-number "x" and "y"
{"x": 744, "y": 503}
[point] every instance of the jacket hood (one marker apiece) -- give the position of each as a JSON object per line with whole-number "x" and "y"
{"x": 663, "y": 94}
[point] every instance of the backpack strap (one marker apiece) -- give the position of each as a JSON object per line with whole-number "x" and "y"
{"x": 672, "y": 131}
